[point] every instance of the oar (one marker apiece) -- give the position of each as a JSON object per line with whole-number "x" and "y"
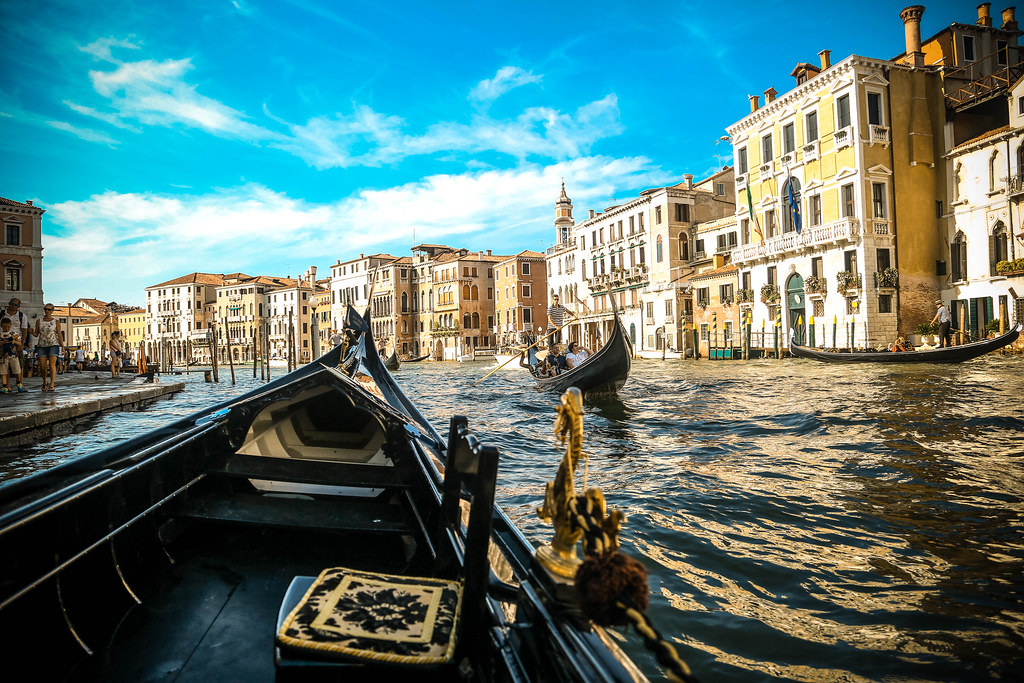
{"x": 516, "y": 356}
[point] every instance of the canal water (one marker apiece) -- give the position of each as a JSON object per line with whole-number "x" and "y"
{"x": 800, "y": 521}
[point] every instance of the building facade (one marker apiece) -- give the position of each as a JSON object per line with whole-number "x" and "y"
{"x": 22, "y": 255}
{"x": 179, "y": 313}
{"x": 520, "y": 299}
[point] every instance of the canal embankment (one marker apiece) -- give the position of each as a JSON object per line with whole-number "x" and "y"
{"x": 37, "y": 415}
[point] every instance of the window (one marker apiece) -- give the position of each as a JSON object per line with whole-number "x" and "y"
{"x": 846, "y": 200}
{"x": 725, "y": 294}
{"x": 1020, "y": 105}
{"x": 658, "y": 251}
{"x": 843, "y": 111}
{"x": 811, "y": 127}
{"x": 769, "y": 223}
{"x": 526, "y": 269}
{"x": 788, "y": 138}
{"x": 850, "y": 261}
{"x": 741, "y": 160}
{"x": 772, "y": 278}
{"x": 968, "y": 48}
{"x": 746, "y": 278}
{"x": 684, "y": 247}
{"x": 699, "y": 249}
{"x": 704, "y": 296}
{"x": 819, "y": 308}
{"x": 682, "y": 212}
{"x": 885, "y": 303}
{"x": 766, "y": 149}
{"x": 998, "y": 250}
{"x": 528, "y": 316}
{"x": 668, "y": 307}
{"x": 883, "y": 259}
{"x": 878, "y": 200}
{"x": 527, "y": 291}
{"x": 720, "y": 189}
{"x": 875, "y": 108}
{"x": 13, "y": 234}
{"x": 12, "y": 277}
{"x": 788, "y": 224}
{"x": 816, "y": 266}
{"x": 814, "y": 209}
{"x": 1001, "y": 53}
{"x": 650, "y": 309}
{"x": 745, "y": 230}
{"x": 657, "y": 217}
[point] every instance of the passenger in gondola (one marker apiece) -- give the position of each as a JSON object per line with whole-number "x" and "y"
{"x": 560, "y": 362}
{"x": 577, "y": 354}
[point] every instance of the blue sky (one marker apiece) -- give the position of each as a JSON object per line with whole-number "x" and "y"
{"x": 264, "y": 137}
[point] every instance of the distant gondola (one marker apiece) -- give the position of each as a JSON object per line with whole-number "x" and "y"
{"x": 392, "y": 363}
{"x": 606, "y": 369}
{"x": 417, "y": 359}
{"x": 949, "y": 354}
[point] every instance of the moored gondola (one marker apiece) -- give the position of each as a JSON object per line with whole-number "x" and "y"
{"x": 417, "y": 359}
{"x": 226, "y": 545}
{"x": 605, "y": 370}
{"x": 949, "y": 354}
{"x": 393, "y": 363}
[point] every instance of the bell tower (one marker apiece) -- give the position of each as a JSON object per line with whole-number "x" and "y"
{"x": 563, "y": 217}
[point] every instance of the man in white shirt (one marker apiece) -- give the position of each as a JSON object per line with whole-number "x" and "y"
{"x": 944, "y": 319}
{"x": 576, "y": 355}
{"x": 19, "y": 323}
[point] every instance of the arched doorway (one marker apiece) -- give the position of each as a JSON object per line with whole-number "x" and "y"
{"x": 796, "y": 306}
{"x": 439, "y": 350}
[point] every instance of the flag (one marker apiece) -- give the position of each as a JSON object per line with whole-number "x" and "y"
{"x": 794, "y": 206}
{"x": 753, "y": 216}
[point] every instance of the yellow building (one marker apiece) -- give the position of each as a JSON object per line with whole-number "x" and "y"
{"x": 132, "y": 324}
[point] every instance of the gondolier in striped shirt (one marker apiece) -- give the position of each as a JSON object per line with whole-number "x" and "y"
{"x": 556, "y": 318}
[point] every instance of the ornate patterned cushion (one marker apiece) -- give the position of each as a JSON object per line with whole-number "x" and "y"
{"x": 396, "y": 619}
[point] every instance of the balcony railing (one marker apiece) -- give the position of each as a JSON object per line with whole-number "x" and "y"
{"x": 766, "y": 169}
{"x": 844, "y": 137}
{"x": 1015, "y": 184}
{"x": 811, "y": 151}
{"x": 741, "y": 181}
{"x": 879, "y": 134}
{"x": 880, "y": 227}
{"x": 844, "y": 230}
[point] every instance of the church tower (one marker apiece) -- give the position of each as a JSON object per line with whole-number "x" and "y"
{"x": 563, "y": 217}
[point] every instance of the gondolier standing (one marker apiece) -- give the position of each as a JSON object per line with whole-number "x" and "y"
{"x": 556, "y": 318}
{"x": 942, "y": 316}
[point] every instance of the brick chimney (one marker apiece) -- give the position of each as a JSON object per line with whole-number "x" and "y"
{"x": 911, "y": 17}
{"x": 769, "y": 95}
{"x": 688, "y": 177}
{"x": 754, "y": 103}
{"x": 826, "y": 59}
{"x": 984, "y": 18}
{"x": 1009, "y": 20}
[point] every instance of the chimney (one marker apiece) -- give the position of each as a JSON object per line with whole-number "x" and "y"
{"x": 591, "y": 212}
{"x": 769, "y": 95}
{"x": 984, "y": 18}
{"x": 911, "y": 17}
{"x": 488, "y": 252}
{"x": 1009, "y": 21}
{"x": 826, "y": 59}
{"x": 688, "y": 177}
{"x": 754, "y": 104}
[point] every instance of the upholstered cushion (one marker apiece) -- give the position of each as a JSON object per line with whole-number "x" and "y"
{"x": 397, "y": 619}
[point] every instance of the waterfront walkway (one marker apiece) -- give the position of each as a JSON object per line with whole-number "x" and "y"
{"x": 36, "y": 415}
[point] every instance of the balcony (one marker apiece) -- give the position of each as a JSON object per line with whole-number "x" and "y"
{"x": 843, "y": 137}
{"x": 838, "y": 232}
{"x": 1015, "y": 185}
{"x": 788, "y": 159}
{"x": 811, "y": 151}
{"x": 878, "y": 135}
{"x": 741, "y": 181}
{"x": 568, "y": 245}
{"x": 880, "y": 227}
{"x": 766, "y": 169}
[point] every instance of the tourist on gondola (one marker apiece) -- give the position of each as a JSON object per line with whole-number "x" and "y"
{"x": 942, "y": 316}
{"x": 577, "y": 354}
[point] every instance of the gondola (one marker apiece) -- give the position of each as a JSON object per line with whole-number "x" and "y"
{"x": 209, "y": 548}
{"x": 417, "y": 359}
{"x": 392, "y": 363}
{"x": 950, "y": 354}
{"x": 605, "y": 370}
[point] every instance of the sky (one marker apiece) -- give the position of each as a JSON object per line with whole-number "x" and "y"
{"x": 264, "y": 137}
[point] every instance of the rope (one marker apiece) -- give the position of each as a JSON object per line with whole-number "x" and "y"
{"x": 612, "y": 587}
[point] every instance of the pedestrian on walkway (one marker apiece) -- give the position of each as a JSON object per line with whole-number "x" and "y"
{"x": 116, "y": 353}
{"x": 19, "y": 324}
{"x": 79, "y": 357}
{"x": 49, "y": 344}
{"x": 10, "y": 350}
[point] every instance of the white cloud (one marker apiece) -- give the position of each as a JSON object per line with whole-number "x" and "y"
{"x": 86, "y": 134}
{"x": 101, "y": 48}
{"x": 507, "y": 78}
{"x": 137, "y": 240}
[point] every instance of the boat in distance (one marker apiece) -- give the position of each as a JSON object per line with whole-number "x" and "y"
{"x": 605, "y": 370}
{"x": 416, "y": 359}
{"x": 393, "y": 363}
{"x": 208, "y": 549}
{"x": 948, "y": 354}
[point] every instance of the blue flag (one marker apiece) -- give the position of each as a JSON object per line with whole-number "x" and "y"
{"x": 794, "y": 207}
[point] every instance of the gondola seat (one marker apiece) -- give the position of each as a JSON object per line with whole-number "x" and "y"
{"x": 346, "y": 617}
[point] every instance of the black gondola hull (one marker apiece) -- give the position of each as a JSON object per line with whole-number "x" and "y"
{"x": 951, "y": 354}
{"x": 605, "y": 371}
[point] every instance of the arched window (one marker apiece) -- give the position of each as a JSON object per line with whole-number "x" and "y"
{"x": 790, "y": 206}
{"x": 998, "y": 247}
{"x": 405, "y": 302}
{"x": 465, "y": 292}
{"x": 958, "y": 257}
{"x": 476, "y": 321}
{"x": 475, "y": 293}
{"x": 466, "y": 321}
{"x": 993, "y": 171}
{"x": 659, "y": 255}
{"x": 684, "y": 247}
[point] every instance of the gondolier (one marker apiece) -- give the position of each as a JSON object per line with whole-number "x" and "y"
{"x": 556, "y": 318}
{"x": 942, "y": 316}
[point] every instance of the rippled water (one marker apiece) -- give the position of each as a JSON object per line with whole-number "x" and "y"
{"x": 799, "y": 521}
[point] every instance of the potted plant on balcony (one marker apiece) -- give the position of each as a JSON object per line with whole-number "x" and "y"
{"x": 888, "y": 278}
{"x": 1009, "y": 268}
{"x": 816, "y": 285}
{"x": 745, "y": 296}
{"x": 770, "y": 294}
{"x": 847, "y": 281}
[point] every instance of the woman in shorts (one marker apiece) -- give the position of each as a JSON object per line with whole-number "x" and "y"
{"x": 116, "y": 353}
{"x": 49, "y": 343}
